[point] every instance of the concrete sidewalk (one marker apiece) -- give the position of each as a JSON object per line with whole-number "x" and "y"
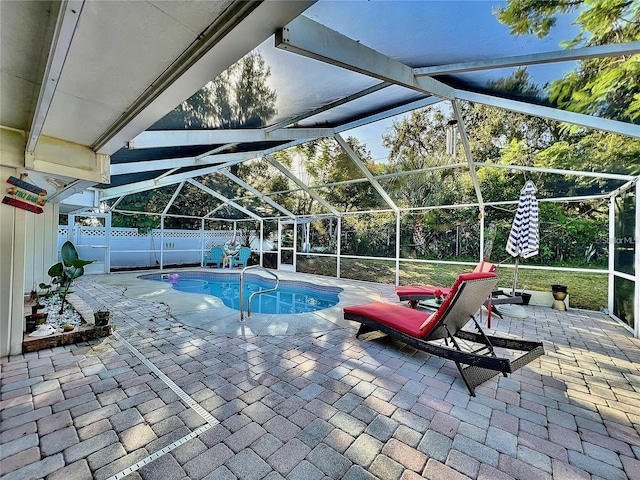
{"x": 160, "y": 399}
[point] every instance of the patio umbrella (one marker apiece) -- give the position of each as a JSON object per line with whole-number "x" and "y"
{"x": 524, "y": 237}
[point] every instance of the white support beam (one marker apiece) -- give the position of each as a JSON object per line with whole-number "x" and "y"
{"x": 365, "y": 171}
{"x": 257, "y": 193}
{"x": 405, "y": 173}
{"x": 636, "y": 270}
{"x": 458, "y": 206}
{"x": 167, "y": 173}
{"x": 301, "y": 184}
{"x": 559, "y": 171}
{"x": 625, "y": 187}
{"x": 409, "y": 107}
{"x": 159, "y": 182}
{"x": 73, "y": 188}
{"x": 68, "y": 17}
{"x": 222, "y": 158}
{"x": 216, "y": 150}
{"x": 377, "y": 177}
{"x": 398, "y": 239}
{"x": 164, "y": 180}
{"x": 611, "y": 257}
{"x": 168, "y": 164}
{"x": 329, "y": 106}
{"x": 115, "y": 204}
{"x": 613, "y": 50}
{"x": 467, "y": 152}
{"x": 589, "y": 121}
{"x": 311, "y": 39}
{"x": 172, "y": 138}
{"x": 224, "y": 199}
{"x": 173, "y": 199}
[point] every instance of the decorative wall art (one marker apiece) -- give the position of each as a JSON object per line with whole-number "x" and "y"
{"x": 24, "y": 195}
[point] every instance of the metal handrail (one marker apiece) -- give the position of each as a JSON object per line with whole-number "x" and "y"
{"x": 254, "y": 293}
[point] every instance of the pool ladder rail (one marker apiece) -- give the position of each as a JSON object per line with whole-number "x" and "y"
{"x": 254, "y": 293}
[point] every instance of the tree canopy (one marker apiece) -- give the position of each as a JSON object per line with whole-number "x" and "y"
{"x": 608, "y": 86}
{"x": 238, "y": 97}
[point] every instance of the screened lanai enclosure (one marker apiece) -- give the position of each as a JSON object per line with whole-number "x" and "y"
{"x": 369, "y": 139}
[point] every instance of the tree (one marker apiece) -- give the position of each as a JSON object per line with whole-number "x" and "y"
{"x": 238, "y": 97}
{"x": 418, "y": 142}
{"x": 591, "y": 151}
{"x": 609, "y": 86}
{"x": 151, "y": 201}
{"x": 500, "y": 136}
{"x": 324, "y": 161}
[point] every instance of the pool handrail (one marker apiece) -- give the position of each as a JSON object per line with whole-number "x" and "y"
{"x": 254, "y": 293}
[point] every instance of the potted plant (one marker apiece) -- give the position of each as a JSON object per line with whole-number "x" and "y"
{"x": 64, "y": 273}
{"x": 101, "y": 317}
{"x": 46, "y": 288}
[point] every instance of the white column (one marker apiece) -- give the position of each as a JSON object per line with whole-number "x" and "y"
{"x": 397, "y": 248}
{"x": 202, "y": 242}
{"x": 611, "y": 245}
{"x": 636, "y": 290}
{"x": 338, "y": 246}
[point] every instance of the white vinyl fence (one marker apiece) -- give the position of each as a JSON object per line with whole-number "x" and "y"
{"x": 129, "y": 249}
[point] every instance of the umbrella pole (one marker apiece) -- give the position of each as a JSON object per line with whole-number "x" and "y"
{"x": 515, "y": 276}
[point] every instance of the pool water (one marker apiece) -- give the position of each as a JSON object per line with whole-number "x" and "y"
{"x": 290, "y": 297}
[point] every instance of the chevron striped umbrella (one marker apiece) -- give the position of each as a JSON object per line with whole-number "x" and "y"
{"x": 524, "y": 238}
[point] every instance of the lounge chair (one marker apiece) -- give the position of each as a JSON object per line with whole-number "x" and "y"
{"x": 416, "y": 293}
{"x": 214, "y": 257}
{"x": 419, "y": 329}
{"x": 241, "y": 258}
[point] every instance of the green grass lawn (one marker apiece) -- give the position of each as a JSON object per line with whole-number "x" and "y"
{"x": 586, "y": 290}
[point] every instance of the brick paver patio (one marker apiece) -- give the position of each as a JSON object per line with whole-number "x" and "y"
{"x": 162, "y": 400}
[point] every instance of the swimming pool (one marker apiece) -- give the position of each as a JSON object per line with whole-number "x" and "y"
{"x": 291, "y": 296}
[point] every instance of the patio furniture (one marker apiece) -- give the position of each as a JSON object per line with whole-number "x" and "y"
{"x": 424, "y": 295}
{"x": 215, "y": 256}
{"x": 241, "y": 258}
{"x": 419, "y": 329}
{"x": 416, "y": 293}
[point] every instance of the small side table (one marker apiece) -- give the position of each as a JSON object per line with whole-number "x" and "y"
{"x": 431, "y": 303}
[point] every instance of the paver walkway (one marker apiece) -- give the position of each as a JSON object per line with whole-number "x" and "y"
{"x": 161, "y": 400}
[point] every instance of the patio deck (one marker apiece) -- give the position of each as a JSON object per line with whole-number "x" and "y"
{"x": 163, "y": 399}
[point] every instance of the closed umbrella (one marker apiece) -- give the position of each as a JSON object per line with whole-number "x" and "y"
{"x": 524, "y": 238}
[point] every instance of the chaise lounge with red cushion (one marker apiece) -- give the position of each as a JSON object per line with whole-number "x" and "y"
{"x": 420, "y": 329}
{"x": 415, "y": 293}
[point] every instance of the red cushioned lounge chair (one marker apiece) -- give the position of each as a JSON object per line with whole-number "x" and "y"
{"x": 419, "y": 329}
{"x": 415, "y": 293}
